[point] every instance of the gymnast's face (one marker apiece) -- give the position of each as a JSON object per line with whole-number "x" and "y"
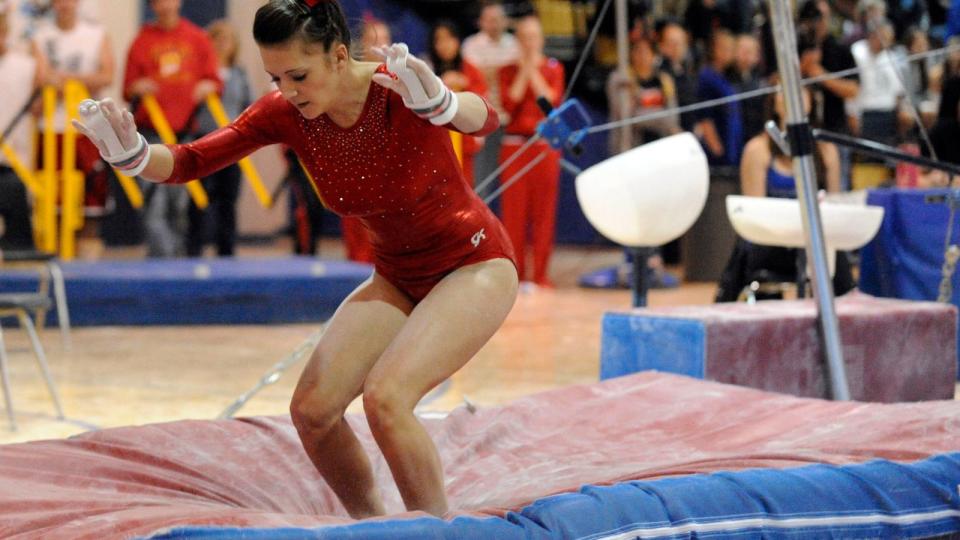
{"x": 307, "y": 76}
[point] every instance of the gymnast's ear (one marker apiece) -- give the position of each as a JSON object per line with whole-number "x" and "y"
{"x": 340, "y": 55}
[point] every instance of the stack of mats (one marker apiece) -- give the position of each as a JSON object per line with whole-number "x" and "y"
{"x": 893, "y": 350}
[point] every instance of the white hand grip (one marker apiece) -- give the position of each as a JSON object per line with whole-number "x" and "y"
{"x": 93, "y": 118}
{"x": 398, "y": 66}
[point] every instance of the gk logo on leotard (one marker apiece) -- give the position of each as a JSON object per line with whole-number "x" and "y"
{"x": 477, "y": 238}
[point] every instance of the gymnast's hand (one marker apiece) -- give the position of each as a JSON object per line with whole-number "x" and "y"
{"x": 114, "y": 132}
{"x": 422, "y": 91}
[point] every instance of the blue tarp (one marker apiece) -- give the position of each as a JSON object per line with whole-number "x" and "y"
{"x": 905, "y": 259}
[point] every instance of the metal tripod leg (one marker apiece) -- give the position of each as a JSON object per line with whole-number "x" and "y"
{"x": 60, "y": 296}
{"x": 41, "y": 359}
{"x": 5, "y": 376}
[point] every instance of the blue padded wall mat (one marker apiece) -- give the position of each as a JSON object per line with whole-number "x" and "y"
{"x": 201, "y": 291}
{"x": 877, "y": 499}
{"x": 629, "y": 344}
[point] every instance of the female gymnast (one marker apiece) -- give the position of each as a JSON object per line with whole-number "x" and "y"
{"x": 376, "y": 144}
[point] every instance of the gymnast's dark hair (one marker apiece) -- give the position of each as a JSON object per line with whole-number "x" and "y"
{"x": 279, "y": 21}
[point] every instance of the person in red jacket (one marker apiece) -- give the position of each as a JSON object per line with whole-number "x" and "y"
{"x": 377, "y": 146}
{"x": 173, "y": 60}
{"x": 458, "y": 74}
{"x": 531, "y": 203}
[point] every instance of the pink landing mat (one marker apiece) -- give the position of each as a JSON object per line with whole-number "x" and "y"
{"x": 254, "y": 473}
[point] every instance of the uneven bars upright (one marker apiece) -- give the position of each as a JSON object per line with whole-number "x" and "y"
{"x": 802, "y": 147}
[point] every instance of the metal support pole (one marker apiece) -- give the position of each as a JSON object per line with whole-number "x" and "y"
{"x": 623, "y": 66}
{"x": 639, "y": 282}
{"x": 802, "y": 146}
{"x": 640, "y": 279}
{"x": 884, "y": 152}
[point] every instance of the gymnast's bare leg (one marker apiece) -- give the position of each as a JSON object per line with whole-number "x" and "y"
{"x": 442, "y": 334}
{"x": 355, "y": 337}
{"x": 378, "y": 343}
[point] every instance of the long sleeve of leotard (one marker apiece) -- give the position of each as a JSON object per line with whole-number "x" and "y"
{"x": 265, "y": 122}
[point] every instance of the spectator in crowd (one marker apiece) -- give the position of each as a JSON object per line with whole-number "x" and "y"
{"x": 953, "y": 21}
{"x": 880, "y": 90}
{"x": 951, "y": 65}
{"x": 605, "y": 54}
{"x": 744, "y": 75}
{"x": 768, "y": 47}
{"x": 374, "y": 33}
{"x": 869, "y": 13}
{"x": 489, "y": 50}
{"x": 645, "y": 88}
{"x": 945, "y": 133}
{"x": 223, "y": 187}
{"x": 918, "y": 75}
{"x": 21, "y": 77}
{"x": 829, "y": 97}
{"x": 907, "y": 14}
{"x": 530, "y": 203}
{"x": 306, "y": 209}
{"x": 720, "y": 128}
{"x": 459, "y": 75}
{"x": 702, "y": 19}
{"x": 492, "y": 47}
{"x": 767, "y": 172}
{"x": 173, "y": 60}
{"x": 941, "y": 71}
{"x": 75, "y": 49}
{"x": 676, "y": 63}
{"x": 741, "y": 16}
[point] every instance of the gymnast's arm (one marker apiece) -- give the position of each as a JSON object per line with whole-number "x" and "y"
{"x": 181, "y": 163}
{"x": 259, "y": 125}
{"x": 160, "y": 166}
{"x": 475, "y": 116}
{"x": 473, "y": 98}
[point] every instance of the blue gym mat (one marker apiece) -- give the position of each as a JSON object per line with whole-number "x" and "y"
{"x": 201, "y": 291}
{"x": 878, "y": 499}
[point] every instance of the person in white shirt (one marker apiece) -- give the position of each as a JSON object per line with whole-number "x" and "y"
{"x": 72, "y": 48}
{"x": 489, "y": 50}
{"x": 21, "y": 77}
{"x": 880, "y": 86}
{"x": 492, "y": 48}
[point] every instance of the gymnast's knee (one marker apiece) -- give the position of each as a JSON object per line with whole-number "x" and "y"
{"x": 314, "y": 416}
{"x": 384, "y": 404}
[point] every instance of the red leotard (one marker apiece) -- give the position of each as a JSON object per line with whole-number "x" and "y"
{"x": 393, "y": 170}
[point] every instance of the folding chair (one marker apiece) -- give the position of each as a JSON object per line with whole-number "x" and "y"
{"x": 48, "y": 271}
{"x": 20, "y": 305}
